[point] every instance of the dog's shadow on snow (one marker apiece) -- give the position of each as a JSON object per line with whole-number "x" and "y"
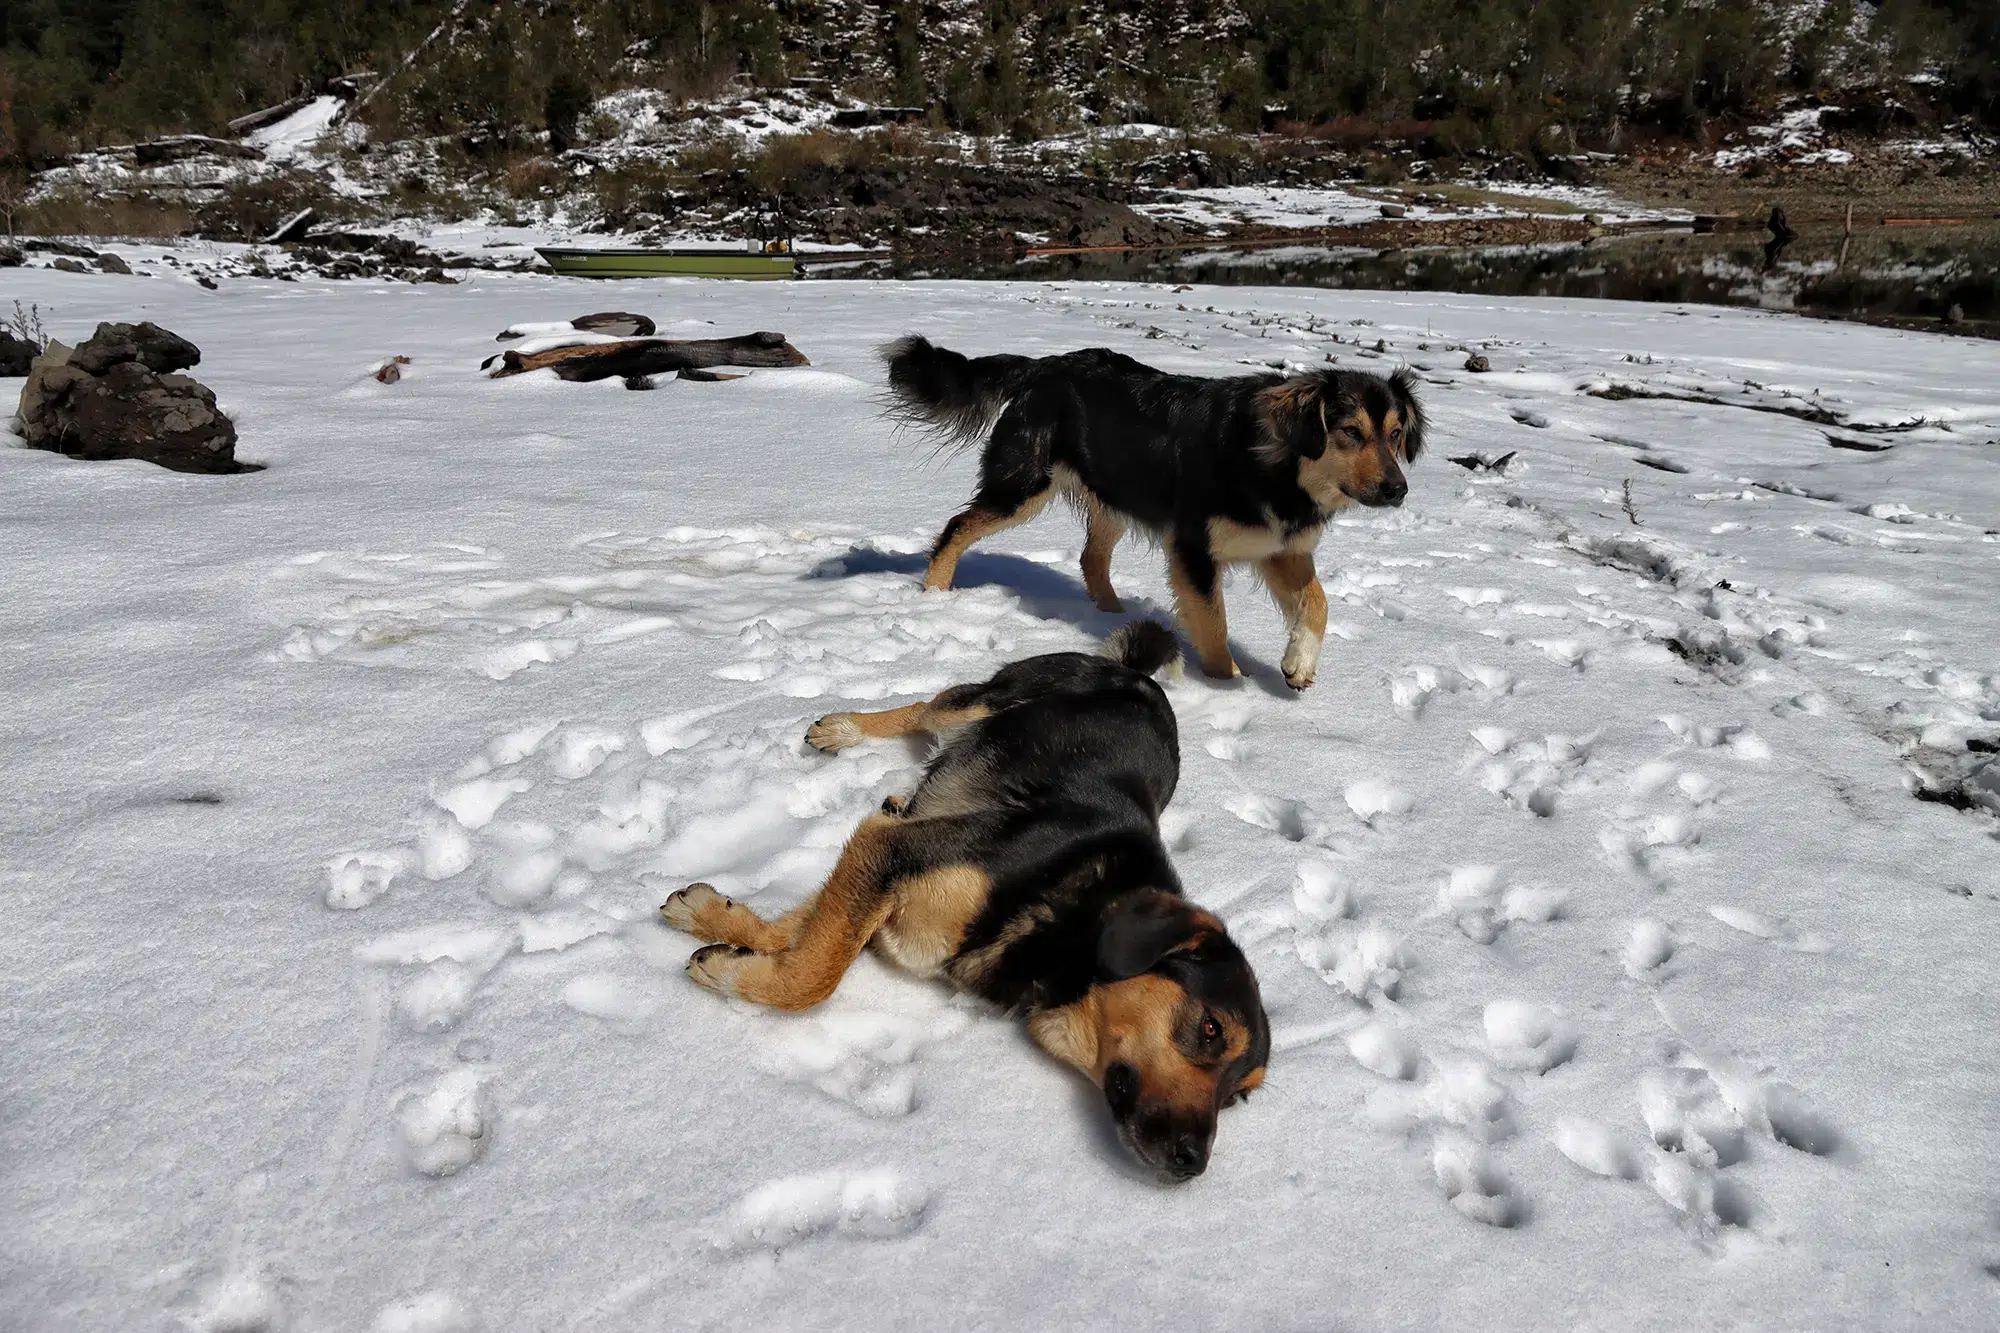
{"x": 1045, "y": 593}
{"x": 1095, "y": 1123}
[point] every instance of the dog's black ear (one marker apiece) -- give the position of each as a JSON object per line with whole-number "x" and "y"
{"x": 1404, "y": 383}
{"x": 1294, "y": 413}
{"x": 1142, "y": 928}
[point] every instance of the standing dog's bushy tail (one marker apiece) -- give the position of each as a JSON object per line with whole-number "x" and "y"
{"x": 1143, "y": 645}
{"x": 957, "y": 396}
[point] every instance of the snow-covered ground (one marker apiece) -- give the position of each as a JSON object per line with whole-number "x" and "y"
{"x": 1617, "y": 979}
{"x": 298, "y": 132}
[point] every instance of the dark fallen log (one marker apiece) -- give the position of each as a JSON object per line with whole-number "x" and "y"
{"x": 180, "y": 147}
{"x": 270, "y": 115}
{"x": 293, "y": 228}
{"x": 638, "y": 358}
{"x": 860, "y": 117}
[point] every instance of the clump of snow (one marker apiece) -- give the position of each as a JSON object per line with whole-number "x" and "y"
{"x": 426, "y": 1312}
{"x": 874, "y": 1204}
{"x": 445, "y": 1128}
{"x": 1380, "y": 1048}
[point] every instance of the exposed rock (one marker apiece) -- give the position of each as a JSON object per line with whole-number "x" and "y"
{"x": 110, "y": 263}
{"x": 617, "y": 323}
{"x": 1478, "y": 364}
{"x": 68, "y": 266}
{"x": 355, "y": 254}
{"x": 10, "y": 256}
{"x": 940, "y": 208}
{"x": 150, "y": 345}
{"x": 16, "y": 355}
{"x": 46, "y": 381}
{"x": 116, "y": 396}
{"x": 70, "y": 248}
{"x": 1394, "y": 210}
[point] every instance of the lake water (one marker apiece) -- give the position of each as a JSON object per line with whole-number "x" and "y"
{"x": 1898, "y": 275}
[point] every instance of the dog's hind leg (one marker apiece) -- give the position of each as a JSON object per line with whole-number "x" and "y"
{"x": 708, "y": 916}
{"x": 1016, "y": 480}
{"x": 1105, "y": 528}
{"x": 1199, "y": 602}
{"x": 834, "y": 929}
{"x": 956, "y": 707}
{"x": 979, "y": 520}
{"x": 1294, "y": 585}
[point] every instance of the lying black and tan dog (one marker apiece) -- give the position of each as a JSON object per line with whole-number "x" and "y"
{"x": 1027, "y": 868}
{"x": 1245, "y": 470}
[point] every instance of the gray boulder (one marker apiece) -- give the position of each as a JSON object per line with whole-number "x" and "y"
{"x": 117, "y": 396}
{"x": 150, "y": 345}
{"x": 16, "y": 355}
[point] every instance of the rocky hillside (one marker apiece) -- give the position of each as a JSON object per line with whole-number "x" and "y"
{"x": 76, "y": 74}
{"x": 960, "y": 125}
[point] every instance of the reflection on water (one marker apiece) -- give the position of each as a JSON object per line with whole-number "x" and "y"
{"x": 1884, "y": 273}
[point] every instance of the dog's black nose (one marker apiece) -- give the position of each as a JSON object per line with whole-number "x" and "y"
{"x": 1392, "y": 490}
{"x": 1189, "y": 1156}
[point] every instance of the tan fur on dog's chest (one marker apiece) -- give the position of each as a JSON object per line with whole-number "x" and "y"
{"x": 1230, "y": 542}
{"x": 932, "y": 912}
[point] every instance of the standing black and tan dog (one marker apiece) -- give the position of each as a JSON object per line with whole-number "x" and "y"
{"x": 1245, "y": 470}
{"x": 1027, "y": 868}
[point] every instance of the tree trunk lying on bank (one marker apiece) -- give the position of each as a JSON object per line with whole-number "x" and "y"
{"x": 639, "y": 357}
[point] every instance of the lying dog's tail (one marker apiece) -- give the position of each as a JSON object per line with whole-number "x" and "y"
{"x": 1143, "y": 645}
{"x": 956, "y": 396}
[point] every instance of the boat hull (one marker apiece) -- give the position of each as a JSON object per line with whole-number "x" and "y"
{"x": 569, "y": 263}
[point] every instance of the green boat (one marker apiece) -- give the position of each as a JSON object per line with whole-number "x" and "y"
{"x": 570, "y": 262}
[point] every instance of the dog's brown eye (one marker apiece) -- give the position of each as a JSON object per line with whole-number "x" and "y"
{"x": 1211, "y": 1031}
{"x": 1395, "y": 434}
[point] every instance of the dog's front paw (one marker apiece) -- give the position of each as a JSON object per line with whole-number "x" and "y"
{"x": 834, "y": 732}
{"x": 1301, "y": 662}
{"x": 716, "y": 966}
{"x": 1224, "y": 669}
{"x": 895, "y": 804}
{"x": 681, "y": 906}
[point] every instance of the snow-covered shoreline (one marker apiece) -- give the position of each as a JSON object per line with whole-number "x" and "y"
{"x": 1586, "y": 889}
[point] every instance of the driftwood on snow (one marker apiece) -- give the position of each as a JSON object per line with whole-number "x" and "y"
{"x": 636, "y": 358}
{"x": 270, "y": 115}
